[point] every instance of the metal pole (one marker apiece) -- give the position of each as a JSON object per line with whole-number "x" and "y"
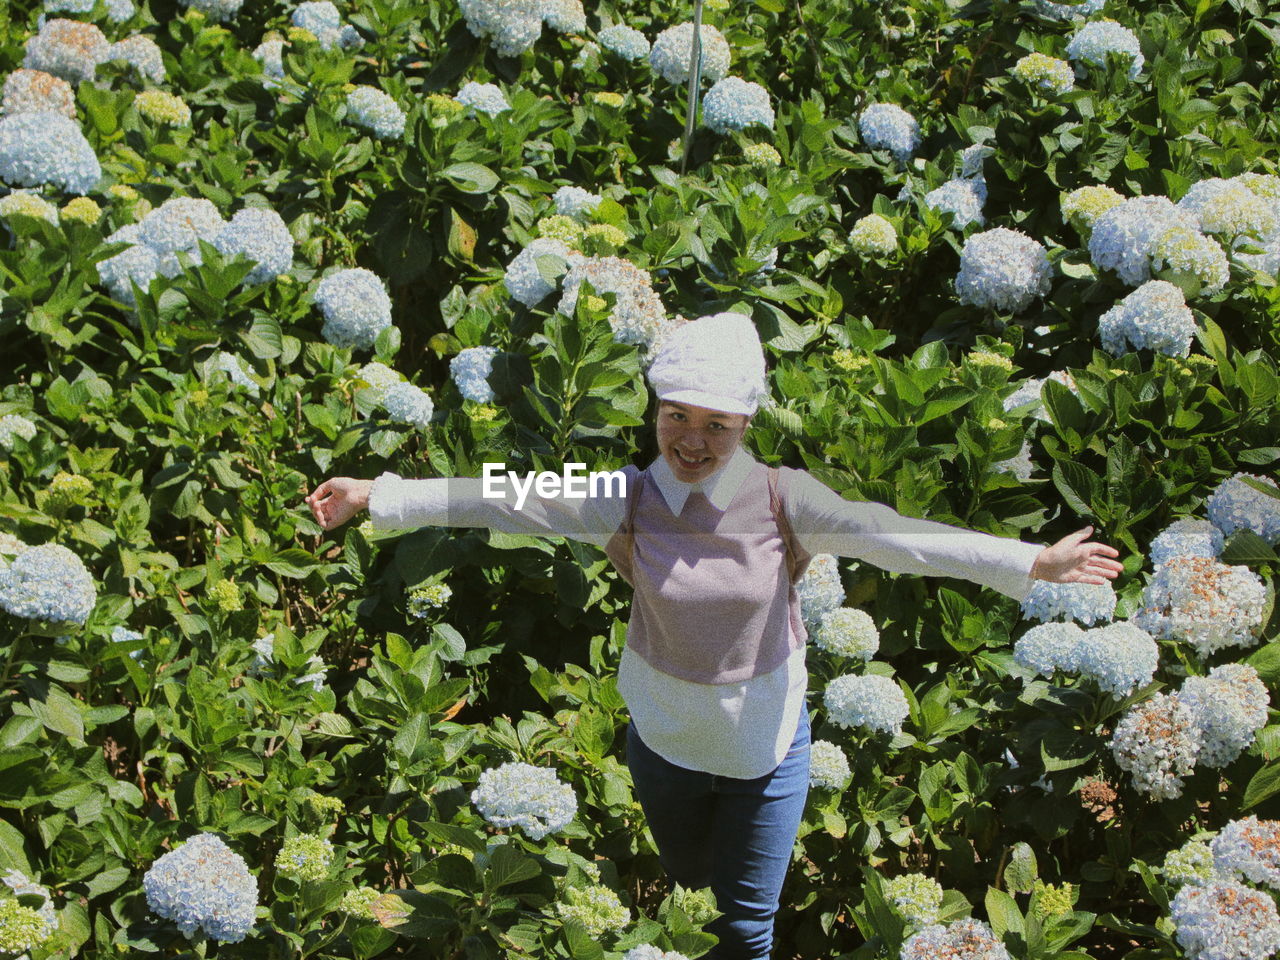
{"x": 695, "y": 82}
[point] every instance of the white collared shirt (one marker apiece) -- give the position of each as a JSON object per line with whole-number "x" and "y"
{"x": 744, "y": 729}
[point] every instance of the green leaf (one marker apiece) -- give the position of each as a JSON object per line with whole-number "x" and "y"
{"x": 1003, "y": 913}
{"x": 508, "y": 865}
{"x": 12, "y": 854}
{"x": 470, "y": 177}
{"x": 59, "y": 713}
{"x": 1264, "y": 784}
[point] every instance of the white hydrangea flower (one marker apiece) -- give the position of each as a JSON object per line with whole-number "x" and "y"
{"x": 141, "y": 53}
{"x": 1230, "y": 207}
{"x": 523, "y": 279}
{"x": 356, "y": 307}
{"x": 1225, "y": 920}
{"x": 68, "y": 49}
{"x": 1190, "y": 863}
{"x": 673, "y": 51}
{"x": 849, "y": 632}
{"x": 1120, "y": 657}
{"x": 1181, "y": 254}
{"x": 917, "y": 897}
{"x": 1049, "y": 74}
{"x": 219, "y": 11}
{"x": 1231, "y": 707}
{"x": 962, "y": 940}
{"x": 1095, "y": 40}
{"x": 638, "y": 316}
{"x": 871, "y": 701}
{"x": 204, "y": 884}
{"x": 733, "y": 104}
{"x": 47, "y": 148}
{"x": 512, "y": 26}
{"x": 322, "y": 19}
{"x": 1206, "y": 604}
{"x": 48, "y": 583}
{"x": 627, "y": 42}
{"x": 1002, "y": 269}
{"x": 1049, "y": 647}
{"x": 521, "y": 795}
{"x": 564, "y": 16}
{"x": 372, "y": 109}
{"x": 270, "y": 53}
{"x": 963, "y": 198}
{"x": 820, "y": 589}
{"x": 262, "y": 236}
{"x": 1153, "y": 317}
{"x": 1158, "y": 742}
{"x": 886, "y": 126}
{"x": 596, "y": 907}
{"x": 34, "y": 91}
{"x": 408, "y": 403}
{"x": 1190, "y": 535}
{"x": 576, "y": 202}
{"x": 828, "y": 766}
{"x": 136, "y": 264}
{"x": 1069, "y": 11}
{"x": 874, "y": 235}
{"x": 484, "y": 97}
{"x": 470, "y": 370}
{"x": 1249, "y": 847}
{"x": 1086, "y": 602}
{"x": 1123, "y": 237}
{"x": 177, "y": 226}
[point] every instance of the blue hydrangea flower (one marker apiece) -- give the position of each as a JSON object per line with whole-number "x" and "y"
{"x": 1231, "y": 707}
{"x": 734, "y": 103}
{"x": 48, "y": 583}
{"x": 1192, "y": 536}
{"x": 270, "y": 53}
{"x": 34, "y": 91}
{"x": 512, "y": 26}
{"x": 885, "y": 126}
{"x": 1124, "y": 236}
{"x": 177, "y": 226}
{"x": 204, "y": 884}
{"x": 484, "y": 97}
{"x": 638, "y": 316}
{"x": 141, "y": 53}
{"x": 963, "y": 939}
{"x": 470, "y": 370}
{"x": 46, "y": 148}
{"x": 1235, "y": 505}
{"x": 1230, "y": 207}
{"x": 564, "y": 16}
{"x": 523, "y": 279}
{"x": 68, "y": 49}
{"x": 125, "y": 635}
{"x": 973, "y": 158}
{"x": 1225, "y": 920}
{"x": 219, "y": 11}
{"x": 576, "y": 202}
{"x": 963, "y": 198}
{"x": 136, "y": 264}
{"x": 1153, "y": 317}
{"x": 406, "y": 403}
{"x": 1248, "y": 847}
{"x": 1182, "y": 255}
{"x": 521, "y": 795}
{"x": 871, "y": 701}
{"x": 356, "y": 307}
{"x": 1086, "y": 602}
{"x": 1002, "y": 269}
{"x": 322, "y": 19}
{"x": 1049, "y": 647}
{"x": 627, "y": 42}
{"x": 1069, "y": 11}
{"x": 673, "y": 50}
{"x": 1120, "y": 657}
{"x": 1095, "y": 40}
{"x": 372, "y": 109}
{"x": 262, "y": 236}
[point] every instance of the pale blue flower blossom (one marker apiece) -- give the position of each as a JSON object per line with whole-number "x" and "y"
{"x": 1231, "y": 707}
{"x": 485, "y": 97}
{"x": 820, "y": 589}
{"x": 523, "y": 279}
{"x": 1153, "y": 317}
{"x": 356, "y": 307}
{"x": 125, "y": 635}
{"x": 1158, "y": 742}
{"x": 48, "y": 583}
{"x": 322, "y": 19}
{"x": 1123, "y": 237}
{"x": 141, "y": 53}
{"x": 963, "y": 198}
{"x": 521, "y": 795}
{"x": 15, "y": 425}
{"x": 1002, "y": 269}
{"x": 1069, "y": 11}
{"x": 68, "y": 49}
{"x": 136, "y": 264}
{"x": 1049, "y": 647}
{"x": 627, "y": 42}
{"x": 673, "y": 50}
{"x": 849, "y": 632}
{"x": 1198, "y": 538}
{"x": 512, "y": 26}
{"x": 262, "y": 236}
{"x": 1086, "y": 602}
{"x": 1248, "y": 847}
{"x": 1120, "y": 657}
{"x": 407, "y": 403}
{"x": 564, "y": 16}
{"x": 204, "y": 884}
{"x": 270, "y": 53}
{"x": 576, "y": 202}
{"x": 1235, "y": 505}
{"x": 1225, "y": 920}
{"x": 1095, "y": 40}
{"x": 372, "y": 109}
{"x": 916, "y": 897}
{"x": 871, "y": 701}
{"x": 177, "y": 226}
{"x": 886, "y": 126}
{"x": 46, "y": 148}
{"x": 470, "y": 370}
{"x": 733, "y": 104}
{"x": 1190, "y": 863}
{"x": 219, "y": 11}
{"x": 968, "y": 939}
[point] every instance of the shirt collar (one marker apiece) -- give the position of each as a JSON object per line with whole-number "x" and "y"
{"x": 719, "y": 488}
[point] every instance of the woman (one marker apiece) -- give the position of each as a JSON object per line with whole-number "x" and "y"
{"x": 713, "y": 669}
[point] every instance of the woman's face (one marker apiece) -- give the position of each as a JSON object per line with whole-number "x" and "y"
{"x": 697, "y": 441}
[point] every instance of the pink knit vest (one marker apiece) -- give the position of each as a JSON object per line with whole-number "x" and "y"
{"x": 714, "y": 591}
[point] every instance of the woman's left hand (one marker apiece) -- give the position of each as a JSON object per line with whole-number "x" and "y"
{"x": 1072, "y": 561}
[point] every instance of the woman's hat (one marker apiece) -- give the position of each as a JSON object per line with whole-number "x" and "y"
{"x": 715, "y": 362}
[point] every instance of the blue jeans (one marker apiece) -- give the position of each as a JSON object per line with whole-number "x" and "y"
{"x": 735, "y": 836}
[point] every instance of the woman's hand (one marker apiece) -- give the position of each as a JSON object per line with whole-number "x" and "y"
{"x": 1071, "y": 561}
{"x": 336, "y": 501}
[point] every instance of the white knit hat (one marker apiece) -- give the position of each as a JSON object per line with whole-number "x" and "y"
{"x": 715, "y": 362}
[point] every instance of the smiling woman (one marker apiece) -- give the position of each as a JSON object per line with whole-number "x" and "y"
{"x": 713, "y": 670}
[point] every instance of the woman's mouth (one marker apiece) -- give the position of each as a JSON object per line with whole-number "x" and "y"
{"x": 691, "y": 463}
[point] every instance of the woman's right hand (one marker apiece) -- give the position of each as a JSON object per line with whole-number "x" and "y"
{"x": 338, "y": 499}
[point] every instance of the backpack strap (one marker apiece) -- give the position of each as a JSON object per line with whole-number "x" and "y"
{"x": 633, "y": 500}
{"x": 797, "y": 560}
